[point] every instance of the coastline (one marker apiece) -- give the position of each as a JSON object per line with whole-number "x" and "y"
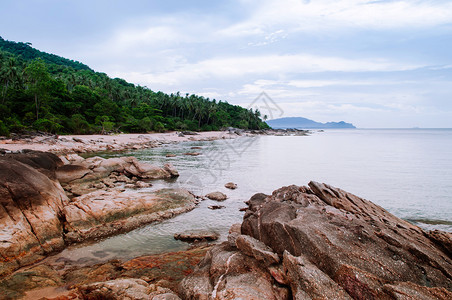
{"x": 65, "y": 144}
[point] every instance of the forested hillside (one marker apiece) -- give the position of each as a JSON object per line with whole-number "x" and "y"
{"x": 49, "y": 93}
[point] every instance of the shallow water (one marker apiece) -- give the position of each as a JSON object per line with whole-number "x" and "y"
{"x": 407, "y": 172}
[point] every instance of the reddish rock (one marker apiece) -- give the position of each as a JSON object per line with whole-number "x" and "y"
{"x": 134, "y": 289}
{"x": 331, "y": 244}
{"x": 30, "y": 211}
{"x": 103, "y": 213}
{"x": 192, "y": 153}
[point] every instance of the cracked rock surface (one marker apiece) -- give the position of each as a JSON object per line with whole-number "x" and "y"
{"x": 37, "y": 217}
{"x": 320, "y": 242}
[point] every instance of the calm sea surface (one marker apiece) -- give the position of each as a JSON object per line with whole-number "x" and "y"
{"x": 407, "y": 172}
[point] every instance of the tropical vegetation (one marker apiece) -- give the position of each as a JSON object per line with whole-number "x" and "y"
{"x": 45, "y": 92}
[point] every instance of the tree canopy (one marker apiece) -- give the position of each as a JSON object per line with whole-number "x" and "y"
{"x": 46, "y": 92}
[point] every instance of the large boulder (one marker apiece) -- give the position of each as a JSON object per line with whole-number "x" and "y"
{"x": 30, "y": 211}
{"x": 103, "y": 213}
{"x": 321, "y": 242}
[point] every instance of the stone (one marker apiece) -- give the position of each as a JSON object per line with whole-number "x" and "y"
{"x": 217, "y": 196}
{"x": 225, "y": 273}
{"x": 29, "y": 278}
{"x": 320, "y": 242}
{"x": 230, "y": 185}
{"x": 213, "y": 207}
{"x": 30, "y": 211}
{"x": 196, "y": 236}
{"x": 255, "y": 248}
{"x": 68, "y": 173}
{"x": 134, "y": 289}
{"x": 102, "y": 213}
{"x": 171, "y": 170}
{"x": 170, "y": 155}
{"x": 192, "y": 153}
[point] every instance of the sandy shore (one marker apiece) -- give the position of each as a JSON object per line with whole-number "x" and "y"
{"x": 95, "y": 143}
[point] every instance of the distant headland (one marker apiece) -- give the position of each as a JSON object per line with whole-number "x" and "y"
{"x": 303, "y": 123}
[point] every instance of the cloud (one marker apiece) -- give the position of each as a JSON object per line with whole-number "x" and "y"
{"x": 265, "y": 66}
{"x": 327, "y": 15}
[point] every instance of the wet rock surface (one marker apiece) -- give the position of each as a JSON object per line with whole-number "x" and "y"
{"x": 320, "y": 242}
{"x": 196, "y": 236}
{"x": 155, "y": 276}
{"x": 230, "y": 185}
{"x": 217, "y": 196}
{"x": 37, "y": 217}
{"x": 103, "y": 213}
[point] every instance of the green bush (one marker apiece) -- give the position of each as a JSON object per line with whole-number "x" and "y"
{"x": 3, "y": 129}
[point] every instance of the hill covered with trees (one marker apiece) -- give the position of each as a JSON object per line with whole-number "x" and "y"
{"x": 49, "y": 93}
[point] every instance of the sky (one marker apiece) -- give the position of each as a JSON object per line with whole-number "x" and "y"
{"x": 376, "y": 64}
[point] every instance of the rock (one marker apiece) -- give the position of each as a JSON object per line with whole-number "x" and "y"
{"x": 217, "y": 196}
{"x": 103, "y": 213}
{"x": 320, "y": 242}
{"x": 39, "y": 276}
{"x": 84, "y": 177}
{"x": 163, "y": 294}
{"x": 77, "y": 140}
{"x": 30, "y": 210}
{"x": 171, "y": 170}
{"x": 255, "y": 248}
{"x": 192, "y": 153}
{"x": 170, "y": 155}
{"x": 309, "y": 282}
{"x": 196, "y": 236}
{"x": 195, "y": 147}
{"x": 189, "y": 133}
{"x": 68, "y": 173}
{"x": 215, "y": 207}
{"x": 230, "y": 185}
{"x": 142, "y": 185}
{"x": 44, "y": 162}
{"x": 225, "y": 273}
{"x": 134, "y": 289}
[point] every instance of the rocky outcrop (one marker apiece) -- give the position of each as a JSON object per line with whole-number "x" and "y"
{"x": 103, "y": 213}
{"x": 37, "y": 217}
{"x": 320, "y": 242}
{"x": 53, "y": 278}
{"x": 31, "y": 205}
{"x": 134, "y": 289}
{"x": 88, "y": 175}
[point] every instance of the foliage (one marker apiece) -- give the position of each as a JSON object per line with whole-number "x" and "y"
{"x": 46, "y": 92}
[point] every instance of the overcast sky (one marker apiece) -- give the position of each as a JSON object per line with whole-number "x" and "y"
{"x": 373, "y": 63}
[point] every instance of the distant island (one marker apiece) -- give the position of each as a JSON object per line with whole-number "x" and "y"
{"x": 303, "y": 123}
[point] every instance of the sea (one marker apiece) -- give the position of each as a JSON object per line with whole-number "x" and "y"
{"x": 406, "y": 171}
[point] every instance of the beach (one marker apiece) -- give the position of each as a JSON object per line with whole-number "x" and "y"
{"x": 117, "y": 142}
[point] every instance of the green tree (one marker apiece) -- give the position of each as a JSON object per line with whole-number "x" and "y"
{"x": 38, "y": 80}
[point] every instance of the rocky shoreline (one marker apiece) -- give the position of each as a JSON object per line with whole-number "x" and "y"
{"x": 320, "y": 242}
{"x": 301, "y": 242}
{"x": 46, "y": 204}
{"x": 67, "y": 144}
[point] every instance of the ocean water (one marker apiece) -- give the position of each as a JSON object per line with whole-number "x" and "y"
{"x": 407, "y": 172}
